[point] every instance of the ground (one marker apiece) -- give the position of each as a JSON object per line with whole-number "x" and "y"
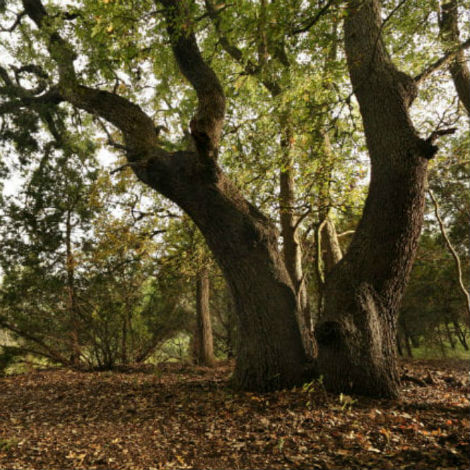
{"x": 184, "y": 417}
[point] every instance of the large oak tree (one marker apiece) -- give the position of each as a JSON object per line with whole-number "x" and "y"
{"x": 356, "y": 332}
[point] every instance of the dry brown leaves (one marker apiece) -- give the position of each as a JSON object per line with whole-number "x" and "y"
{"x": 185, "y": 417}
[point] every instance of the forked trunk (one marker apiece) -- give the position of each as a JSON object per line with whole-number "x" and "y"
{"x": 357, "y": 331}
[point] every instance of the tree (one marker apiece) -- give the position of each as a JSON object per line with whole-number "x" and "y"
{"x": 356, "y": 334}
{"x": 203, "y": 342}
{"x": 357, "y": 329}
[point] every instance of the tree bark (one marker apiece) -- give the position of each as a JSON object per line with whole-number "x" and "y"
{"x": 357, "y": 331}
{"x": 244, "y": 243}
{"x": 458, "y": 67}
{"x": 203, "y": 341}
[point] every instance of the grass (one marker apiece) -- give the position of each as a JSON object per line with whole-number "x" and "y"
{"x": 426, "y": 351}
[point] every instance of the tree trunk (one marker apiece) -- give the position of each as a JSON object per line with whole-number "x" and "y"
{"x": 399, "y": 348}
{"x": 124, "y": 334}
{"x": 449, "y": 335}
{"x": 331, "y": 249}
{"x": 244, "y": 243}
{"x": 460, "y": 334}
{"x": 203, "y": 341}
{"x": 441, "y": 341}
{"x": 409, "y": 349}
{"x": 71, "y": 294}
{"x": 292, "y": 250}
{"x": 357, "y": 331}
{"x": 458, "y": 67}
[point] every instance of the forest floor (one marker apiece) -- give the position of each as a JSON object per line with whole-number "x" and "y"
{"x": 184, "y": 417}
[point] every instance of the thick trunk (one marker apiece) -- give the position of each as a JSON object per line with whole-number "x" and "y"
{"x": 203, "y": 340}
{"x": 242, "y": 240}
{"x": 244, "y": 243}
{"x": 357, "y": 331}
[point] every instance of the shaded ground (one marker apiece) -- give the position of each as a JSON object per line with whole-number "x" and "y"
{"x": 183, "y": 417}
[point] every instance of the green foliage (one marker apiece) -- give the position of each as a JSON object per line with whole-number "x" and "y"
{"x": 77, "y": 286}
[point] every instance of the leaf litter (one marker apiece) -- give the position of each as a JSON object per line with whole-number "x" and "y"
{"x": 185, "y": 417}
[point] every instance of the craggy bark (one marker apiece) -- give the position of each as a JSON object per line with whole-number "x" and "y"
{"x": 242, "y": 240}
{"x": 203, "y": 340}
{"x": 357, "y": 331}
{"x": 458, "y": 67}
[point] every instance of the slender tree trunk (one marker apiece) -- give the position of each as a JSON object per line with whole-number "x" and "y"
{"x": 460, "y": 334}
{"x": 331, "y": 248}
{"x": 458, "y": 265}
{"x": 124, "y": 333}
{"x": 409, "y": 349}
{"x": 449, "y": 335}
{"x": 399, "y": 349}
{"x": 415, "y": 341}
{"x": 441, "y": 341}
{"x": 203, "y": 341}
{"x": 71, "y": 295}
{"x": 356, "y": 334}
{"x": 292, "y": 250}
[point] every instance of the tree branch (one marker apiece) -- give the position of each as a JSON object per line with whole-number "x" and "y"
{"x": 137, "y": 127}
{"x": 206, "y": 125}
{"x": 17, "y": 21}
{"x": 458, "y": 67}
{"x": 453, "y": 252}
{"x": 249, "y": 67}
{"x": 314, "y": 20}
{"x": 446, "y": 59}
